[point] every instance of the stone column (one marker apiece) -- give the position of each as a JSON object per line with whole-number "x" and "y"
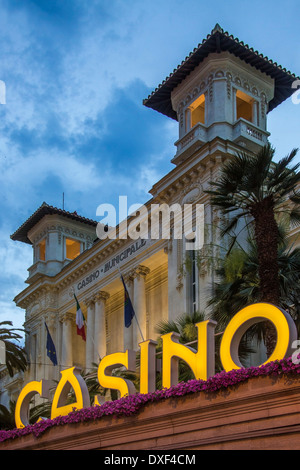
{"x": 90, "y": 327}
{"x": 67, "y": 340}
{"x": 188, "y": 119}
{"x": 139, "y": 303}
{"x": 32, "y": 353}
{"x": 100, "y": 327}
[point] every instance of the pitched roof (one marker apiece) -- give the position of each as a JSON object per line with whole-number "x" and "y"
{"x": 21, "y": 233}
{"x": 218, "y": 41}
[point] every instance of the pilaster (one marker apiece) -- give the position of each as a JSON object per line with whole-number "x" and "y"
{"x": 90, "y": 327}
{"x": 139, "y": 303}
{"x": 100, "y": 300}
{"x": 68, "y": 321}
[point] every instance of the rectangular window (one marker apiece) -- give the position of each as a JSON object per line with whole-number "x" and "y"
{"x": 72, "y": 248}
{"x": 244, "y": 106}
{"x": 42, "y": 250}
{"x": 196, "y": 112}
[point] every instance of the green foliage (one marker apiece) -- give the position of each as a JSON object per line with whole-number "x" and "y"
{"x": 257, "y": 191}
{"x": 15, "y": 354}
{"x": 7, "y": 416}
{"x": 246, "y": 180}
{"x": 238, "y": 282}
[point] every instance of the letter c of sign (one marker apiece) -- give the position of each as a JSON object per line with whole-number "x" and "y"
{"x": 244, "y": 319}
{"x": 28, "y": 392}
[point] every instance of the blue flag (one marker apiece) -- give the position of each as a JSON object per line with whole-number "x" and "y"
{"x": 128, "y": 308}
{"x": 51, "y": 351}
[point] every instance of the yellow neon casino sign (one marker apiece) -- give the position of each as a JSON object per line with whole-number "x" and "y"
{"x": 201, "y": 361}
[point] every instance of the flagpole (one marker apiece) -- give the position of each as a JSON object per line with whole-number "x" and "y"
{"x": 134, "y": 315}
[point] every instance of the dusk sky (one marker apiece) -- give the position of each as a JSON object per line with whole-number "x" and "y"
{"x": 76, "y": 73}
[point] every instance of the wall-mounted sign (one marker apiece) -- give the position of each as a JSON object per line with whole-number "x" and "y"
{"x": 131, "y": 250}
{"x": 108, "y": 265}
{"x": 201, "y": 361}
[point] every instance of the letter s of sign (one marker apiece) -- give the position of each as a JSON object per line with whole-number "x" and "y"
{"x": 22, "y": 406}
{"x": 111, "y": 362}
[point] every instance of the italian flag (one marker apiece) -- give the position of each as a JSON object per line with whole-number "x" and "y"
{"x": 80, "y": 320}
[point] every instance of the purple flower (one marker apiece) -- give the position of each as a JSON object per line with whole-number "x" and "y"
{"x": 131, "y": 404}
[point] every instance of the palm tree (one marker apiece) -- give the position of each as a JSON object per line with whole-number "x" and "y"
{"x": 185, "y": 326}
{"x": 256, "y": 188}
{"x": 15, "y": 354}
{"x": 238, "y": 283}
{"x": 7, "y": 416}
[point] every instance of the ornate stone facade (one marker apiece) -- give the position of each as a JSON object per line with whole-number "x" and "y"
{"x": 230, "y": 116}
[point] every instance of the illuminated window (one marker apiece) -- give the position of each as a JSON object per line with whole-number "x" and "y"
{"x": 42, "y": 250}
{"x": 244, "y": 106}
{"x": 72, "y": 248}
{"x": 196, "y": 112}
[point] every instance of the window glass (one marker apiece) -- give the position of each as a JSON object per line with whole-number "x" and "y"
{"x": 244, "y": 106}
{"x": 196, "y": 112}
{"x": 42, "y": 250}
{"x": 72, "y": 248}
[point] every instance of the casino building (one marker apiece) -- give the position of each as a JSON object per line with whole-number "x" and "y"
{"x": 220, "y": 95}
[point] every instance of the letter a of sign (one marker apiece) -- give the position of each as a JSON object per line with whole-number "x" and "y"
{"x": 70, "y": 378}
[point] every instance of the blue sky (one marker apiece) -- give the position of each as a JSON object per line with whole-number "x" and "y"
{"x": 76, "y": 72}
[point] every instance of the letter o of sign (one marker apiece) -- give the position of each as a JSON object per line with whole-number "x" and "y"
{"x": 244, "y": 319}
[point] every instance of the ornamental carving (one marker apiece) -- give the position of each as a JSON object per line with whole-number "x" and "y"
{"x": 51, "y": 320}
{"x": 61, "y": 229}
{"x": 192, "y": 194}
{"x": 50, "y": 300}
{"x": 32, "y": 309}
{"x": 205, "y": 85}
{"x": 141, "y": 271}
{"x": 179, "y": 281}
{"x": 219, "y": 74}
{"x": 101, "y": 296}
{"x": 228, "y": 84}
{"x": 67, "y": 317}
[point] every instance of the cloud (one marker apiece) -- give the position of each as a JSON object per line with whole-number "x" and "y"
{"x": 22, "y": 179}
{"x": 76, "y": 73}
{"x": 15, "y": 259}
